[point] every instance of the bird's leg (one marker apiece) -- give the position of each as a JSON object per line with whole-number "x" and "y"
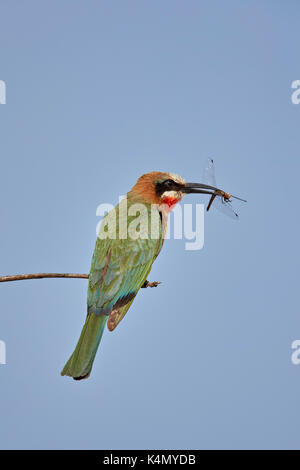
{"x": 150, "y": 284}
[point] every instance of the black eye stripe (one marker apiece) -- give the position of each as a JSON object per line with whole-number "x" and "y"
{"x": 167, "y": 185}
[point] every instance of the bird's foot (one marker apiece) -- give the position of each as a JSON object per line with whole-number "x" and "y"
{"x": 150, "y": 284}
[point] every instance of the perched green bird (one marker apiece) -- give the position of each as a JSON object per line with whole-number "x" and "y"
{"x": 131, "y": 237}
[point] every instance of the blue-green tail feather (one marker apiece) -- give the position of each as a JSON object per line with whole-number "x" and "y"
{"x": 80, "y": 364}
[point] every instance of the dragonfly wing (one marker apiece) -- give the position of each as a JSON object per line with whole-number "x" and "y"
{"x": 209, "y": 176}
{"x": 225, "y": 208}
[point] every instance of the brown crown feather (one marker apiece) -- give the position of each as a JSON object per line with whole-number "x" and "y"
{"x": 144, "y": 188}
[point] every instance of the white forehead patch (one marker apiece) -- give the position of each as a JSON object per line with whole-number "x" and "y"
{"x": 177, "y": 178}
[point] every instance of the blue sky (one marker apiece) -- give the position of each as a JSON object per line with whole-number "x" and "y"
{"x": 97, "y": 94}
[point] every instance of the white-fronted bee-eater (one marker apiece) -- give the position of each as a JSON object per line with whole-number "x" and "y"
{"x": 122, "y": 259}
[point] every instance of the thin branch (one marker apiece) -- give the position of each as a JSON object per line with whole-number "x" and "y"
{"x": 22, "y": 277}
{"x": 150, "y": 284}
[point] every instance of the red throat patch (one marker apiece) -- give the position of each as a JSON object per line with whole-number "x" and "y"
{"x": 170, "y": 201}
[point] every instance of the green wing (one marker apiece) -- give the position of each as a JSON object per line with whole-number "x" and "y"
{"x": 119, "y": 268}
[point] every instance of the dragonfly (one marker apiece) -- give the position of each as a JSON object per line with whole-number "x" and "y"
{"x": 221, "y": 199}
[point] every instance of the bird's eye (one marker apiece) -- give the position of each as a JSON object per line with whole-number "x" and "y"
{"x": 168, "y": 184}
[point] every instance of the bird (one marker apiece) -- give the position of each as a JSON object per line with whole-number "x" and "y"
{"x": 121, "y": 263}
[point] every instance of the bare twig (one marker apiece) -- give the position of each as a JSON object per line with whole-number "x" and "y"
{"x": 22, "y": 277}
{"x": 150, "y": 284}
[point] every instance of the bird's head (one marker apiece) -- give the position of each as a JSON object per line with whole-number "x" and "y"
{"x": 165, "y": 188}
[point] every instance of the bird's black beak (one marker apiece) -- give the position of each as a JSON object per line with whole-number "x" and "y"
{"x": 198, "y": 188}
